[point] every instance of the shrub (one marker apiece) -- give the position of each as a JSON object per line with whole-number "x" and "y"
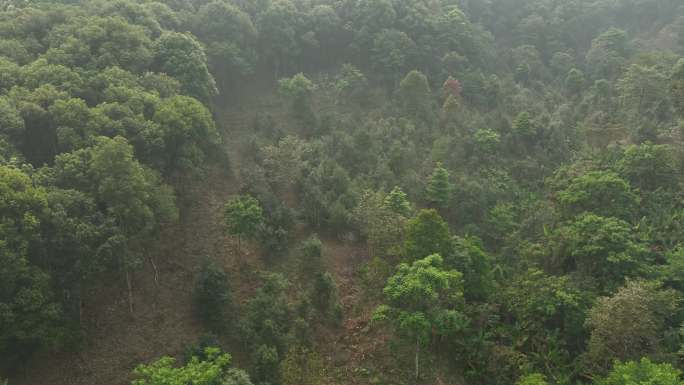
{"x": 311, "y": 254}
{"x": 212, "y": 297}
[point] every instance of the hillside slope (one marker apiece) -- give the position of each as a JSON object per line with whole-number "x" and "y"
{"x": 164, "y": 321}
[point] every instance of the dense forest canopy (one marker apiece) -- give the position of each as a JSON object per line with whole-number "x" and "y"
{"x": 342, "y": 192}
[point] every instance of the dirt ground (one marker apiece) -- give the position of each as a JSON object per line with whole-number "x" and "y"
{"x": 163, "y": 321}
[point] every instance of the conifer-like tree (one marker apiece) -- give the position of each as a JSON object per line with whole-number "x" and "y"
{"x": 397, "y": 201}
{"x": 439, "y": 189}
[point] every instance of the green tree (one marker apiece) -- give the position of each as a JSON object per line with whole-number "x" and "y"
{"x": 188, "y": 132}
{"x": 324, "y": 296}
{"x": 599, "y": 192}
{"x": 527, "y": 62}
{"x": 548, "y": 313}
{"x": 130, "y": 195}
{"x": 643, "y": 93}
{"x": 672, "y": 272}
{"x": 266, "y": 364}
{"x": 351, "y": 84}
{"x": 230, "y": 36}
{"x": 38, "y": 138}
{"x": 574, "y": 81}
{"x": 371, "y": 16}
{"x": 397, "y": 201}
{"x": 285, "y": 162}
{"x": 327, "y": 27}
{"x": 268, "y": 317}
{"x": 10, "y": 75}
{"x": 95, "y": 42}
{"x": 279, "y": 23}
{"x": 15, "y": 50}
{"x": 677, "y": 87}
{"x": 243, "y": 215}
{"x": 234, "y": 376}
{"x": 382, "y": 227}
{"x": 74, "y": 122}
{"x": 181, "y": 56}
{"x": 133, "y": 13}
{"x": 522, "y": 126}
{"x": 614, "y": 333}
{"x": 532, "y": 379}
{"x": 391, "y": 54}
{"x": 12, "y": 123}
{"x": 487, "y": 143}
{"x": 607, "y": 54}
{"x": 639, "y": 372}
{"x": 423, "y": 299}
{"x": 649, "y": 166}
{"x": 603, "y": 249}
{"x": 415, "y": 95}
{"x": 75, "y": 237}
{"x": 267, "y": 322}
{"x": 41, "y": 72}
{"x": 326, "y": 195}
{"x": 450, "y": 111}
{"x": 299, "y": 88}
{"x": 213, "y": 368}
{"x": 30, "y": 315}
{"x": 470, "y": 258}
{"x": 212, "y": 296}
{"x": 427, "y": 234}
{"x": 311, "y": 252}
{"x": 439, "y": 189}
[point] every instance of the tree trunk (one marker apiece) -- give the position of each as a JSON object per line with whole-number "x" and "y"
{"x": 130, "y": 291}
{"x": 156, "y": 272}
{"x": 239, "y": 249}
{"x": 417, "y": 353}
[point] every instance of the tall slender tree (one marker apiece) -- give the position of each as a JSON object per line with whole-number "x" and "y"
{"x": 243, "y": 215}
{"x": 439, "y": 188}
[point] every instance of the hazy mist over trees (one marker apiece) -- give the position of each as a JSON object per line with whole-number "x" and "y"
{"x": 309, "y": 192}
